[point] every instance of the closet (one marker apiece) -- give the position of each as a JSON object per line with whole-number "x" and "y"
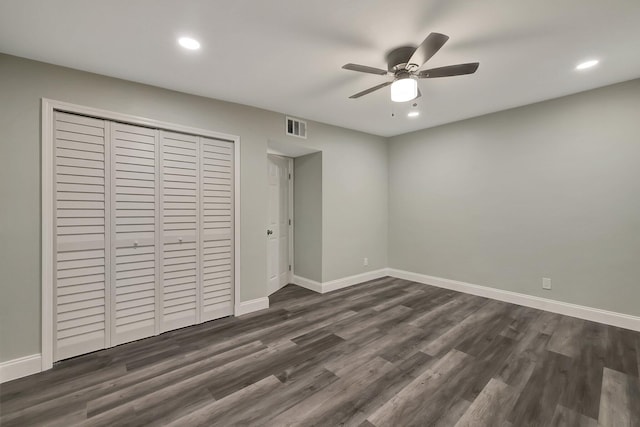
{"x": 144, "y": 232}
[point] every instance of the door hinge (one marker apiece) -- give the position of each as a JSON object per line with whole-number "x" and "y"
{"x": 289, "y": 176}
{"x": 289, "y": 268}
{"x": 289, "y": 222}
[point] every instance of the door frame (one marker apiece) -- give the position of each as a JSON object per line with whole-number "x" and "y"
{"x": 48, "y": 193}
{"x": 290, "y": 214}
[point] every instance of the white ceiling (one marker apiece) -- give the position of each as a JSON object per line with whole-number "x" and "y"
{"x": 285, "y": 55}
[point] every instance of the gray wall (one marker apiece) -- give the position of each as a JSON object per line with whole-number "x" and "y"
{"x": 546, "y": 190}
{"x": 354, "y": 204}
{"x": 307, "y": 216}
{"x": 22, "y": 85}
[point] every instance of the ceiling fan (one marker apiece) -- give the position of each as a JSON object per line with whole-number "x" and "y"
{"x": 404, "y": 63}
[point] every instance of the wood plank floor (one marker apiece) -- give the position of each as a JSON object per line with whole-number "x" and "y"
{"x": 384, "y": 353}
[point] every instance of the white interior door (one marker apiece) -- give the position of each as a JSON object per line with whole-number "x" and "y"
{"x": 81, "y": 237}
{"x": 216, "y": 229}
{"x": 180, "y": 217}
{"x": 278, "y": 223}
{"x": 134, "y": 227}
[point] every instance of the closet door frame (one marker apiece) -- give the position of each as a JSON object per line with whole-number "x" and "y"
{"x": 48, "y": 249}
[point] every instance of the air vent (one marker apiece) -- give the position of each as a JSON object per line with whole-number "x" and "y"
{"x": 295, "y": 127}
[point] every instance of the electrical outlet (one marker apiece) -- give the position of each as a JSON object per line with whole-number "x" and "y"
{"x": 365, "y": 262}
{"x": 546, "y": 283}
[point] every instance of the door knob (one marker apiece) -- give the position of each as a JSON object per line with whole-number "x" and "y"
{"x": 269, "y": 232}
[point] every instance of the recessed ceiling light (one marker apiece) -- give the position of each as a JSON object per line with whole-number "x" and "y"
{"x": 189, "y": 43}
{"x": 587, "y": 64}
{"x": 413, "y": 114}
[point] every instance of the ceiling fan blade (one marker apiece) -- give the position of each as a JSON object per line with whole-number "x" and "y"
{"x": 427, "y": 49}
{"x": 365, "y": 69}
{"x": 371, "y": 89}
{"x": 449, "y": 70}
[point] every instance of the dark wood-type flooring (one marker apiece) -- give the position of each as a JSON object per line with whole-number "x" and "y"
{"x": 384, "y": 353}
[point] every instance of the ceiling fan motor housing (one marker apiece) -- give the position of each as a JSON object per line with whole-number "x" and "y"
{"x": 402, "y": 74}
{"x": 398, "y": 58}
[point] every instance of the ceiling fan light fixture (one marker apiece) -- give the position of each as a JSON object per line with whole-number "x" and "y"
{"x": 404, "y": 64}
{"x": 403, "y": 90}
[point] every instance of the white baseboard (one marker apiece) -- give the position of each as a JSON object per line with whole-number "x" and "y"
{"x": 312, "y": 285}
{"x": 246, "y": 307}
{"x": 21, "y": 367}
{"x": 582, "y": 312}
{"x": 336, "y": 284}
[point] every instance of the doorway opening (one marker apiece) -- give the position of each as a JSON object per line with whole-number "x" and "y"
{"x": 294, "y": 213}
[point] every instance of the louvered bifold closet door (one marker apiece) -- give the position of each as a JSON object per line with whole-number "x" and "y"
{"x": 180, "y": 217}
{"x": 217, "y": 228}
{"x": 82, "y": 236}
{"x": 134, "y": 217}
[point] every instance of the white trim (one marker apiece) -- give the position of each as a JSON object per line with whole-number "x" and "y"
{"x": 312, "y": 285}
{"x": 290, "y": 222}
{"x": 275, "y": 152}
{"x": 236, "y": 224}
{"x": 20, "y": 367}
{"x": 336, "y": 284}
{"x": 246, "y": 307}
{"x": 612, "y": 318}
{"x": 344, "y": 282}
{"x": 47, "y": 237}
{"x": 134, "y": 120}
